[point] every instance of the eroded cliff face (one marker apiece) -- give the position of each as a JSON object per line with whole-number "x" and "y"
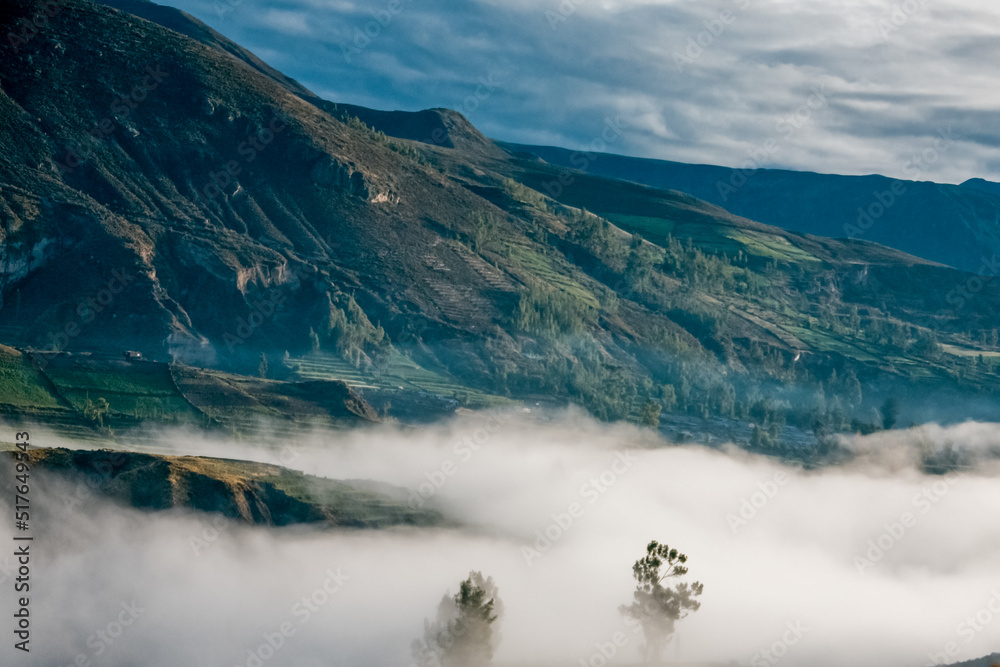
{"x": 253, "y": 493}
{"x": 144, "y": 152}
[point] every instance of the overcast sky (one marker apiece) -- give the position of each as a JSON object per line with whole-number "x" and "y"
{"x": 839, "y": 86}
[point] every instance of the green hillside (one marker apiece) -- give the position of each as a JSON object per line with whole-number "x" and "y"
{"x": 426, "y": 276}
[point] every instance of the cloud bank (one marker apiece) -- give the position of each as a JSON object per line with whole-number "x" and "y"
{"x": 870, "y": 563}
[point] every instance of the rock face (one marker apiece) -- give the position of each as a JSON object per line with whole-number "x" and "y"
{"x": 199, "y": 175}
{"x": 329, "y": 172}
{"x": 253, "y": 493}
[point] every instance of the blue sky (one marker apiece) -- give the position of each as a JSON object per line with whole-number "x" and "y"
{"x": 905, "y": 88}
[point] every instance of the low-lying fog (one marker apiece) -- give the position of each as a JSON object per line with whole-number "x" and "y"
{"x": 870, "y": 563}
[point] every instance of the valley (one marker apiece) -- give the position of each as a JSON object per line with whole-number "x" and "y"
{"x": 293, "y": 367}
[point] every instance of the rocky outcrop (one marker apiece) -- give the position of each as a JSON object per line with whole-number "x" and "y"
{"x": 329, "y": 172}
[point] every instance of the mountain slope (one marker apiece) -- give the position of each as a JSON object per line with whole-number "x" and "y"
{"x": 159, "y": 193}
{"x": 245, "y": 491}
{"x": 982, "y": 185}
{"x": 237, "y": 185}
{"x": 954, "y": 225}
{"x": 187, "y": 25}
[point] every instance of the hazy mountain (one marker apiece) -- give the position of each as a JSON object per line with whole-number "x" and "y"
{"x": 991, "y": 660}
{"x": 982, "y": 185}
{"x": 955, "y": 225}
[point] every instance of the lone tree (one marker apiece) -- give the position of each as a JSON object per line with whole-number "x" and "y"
{"x": 657, "y": 607}
{"x": 890, "y": 413}
{"x": 464, "y": 634}
{"x": 96, "y": 410}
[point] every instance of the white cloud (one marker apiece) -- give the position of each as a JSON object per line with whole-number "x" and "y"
{"x": 286, "y": 22}
{"x": 794, "y": 560}
{"x": 896, "y": 78}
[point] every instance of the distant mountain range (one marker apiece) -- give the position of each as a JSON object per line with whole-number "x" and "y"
{"x": 957, "y": 225}
{"x": 163, "y": 189}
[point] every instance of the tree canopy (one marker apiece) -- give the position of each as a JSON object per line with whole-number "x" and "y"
{"x": 657, "y": 607}
{"x": 465, "y": 633}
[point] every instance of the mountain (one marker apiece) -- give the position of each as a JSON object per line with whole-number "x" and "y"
{"x": 955, "y": 225}
{"x": 982, "y": 185}
{"x": 248, "y": 492}
{"x": 187, "y": 25}
{"x": 171, "y": 194}
{"x": 991, "y": 660}
{"x": 443, "y": 127}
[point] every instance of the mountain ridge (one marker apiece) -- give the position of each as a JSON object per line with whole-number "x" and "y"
{"x": 250, "y": 221}
{"x": 874, "y": 207}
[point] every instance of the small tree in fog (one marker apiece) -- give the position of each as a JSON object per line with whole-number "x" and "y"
{"x": 464, "y": 633}
{"x": 890, "y": 413}
{"x": 650, "y": 414}
{"x": 657, "y": 607}
{"x": 96, "y": 410}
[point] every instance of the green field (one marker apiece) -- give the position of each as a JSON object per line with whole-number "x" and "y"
{"x": 21, "y": 385}
{"x": 821, "y": 341}
{"x": 959, "y": 351}
{"x": 770, "y": 246}
{"x": 713, "y": 238}
{"x": 141, "y": 390}
{"x": 400, "y": 374}
{"x": 328, "y": 367}
{"x": 541, "y": 267}
{"x": 317, "y": 393}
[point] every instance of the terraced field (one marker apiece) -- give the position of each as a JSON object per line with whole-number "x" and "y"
{"x": 244, "y": 403}
{"x": 138, "y": 390}
{"x": 328, "y": 367}
{"x": 541, "y": 267}
{"x": 400, "y": 374}
{"x": 713, "y": 237}
{"x": 62, "y": 391}
{"x": 21, "y": 384}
